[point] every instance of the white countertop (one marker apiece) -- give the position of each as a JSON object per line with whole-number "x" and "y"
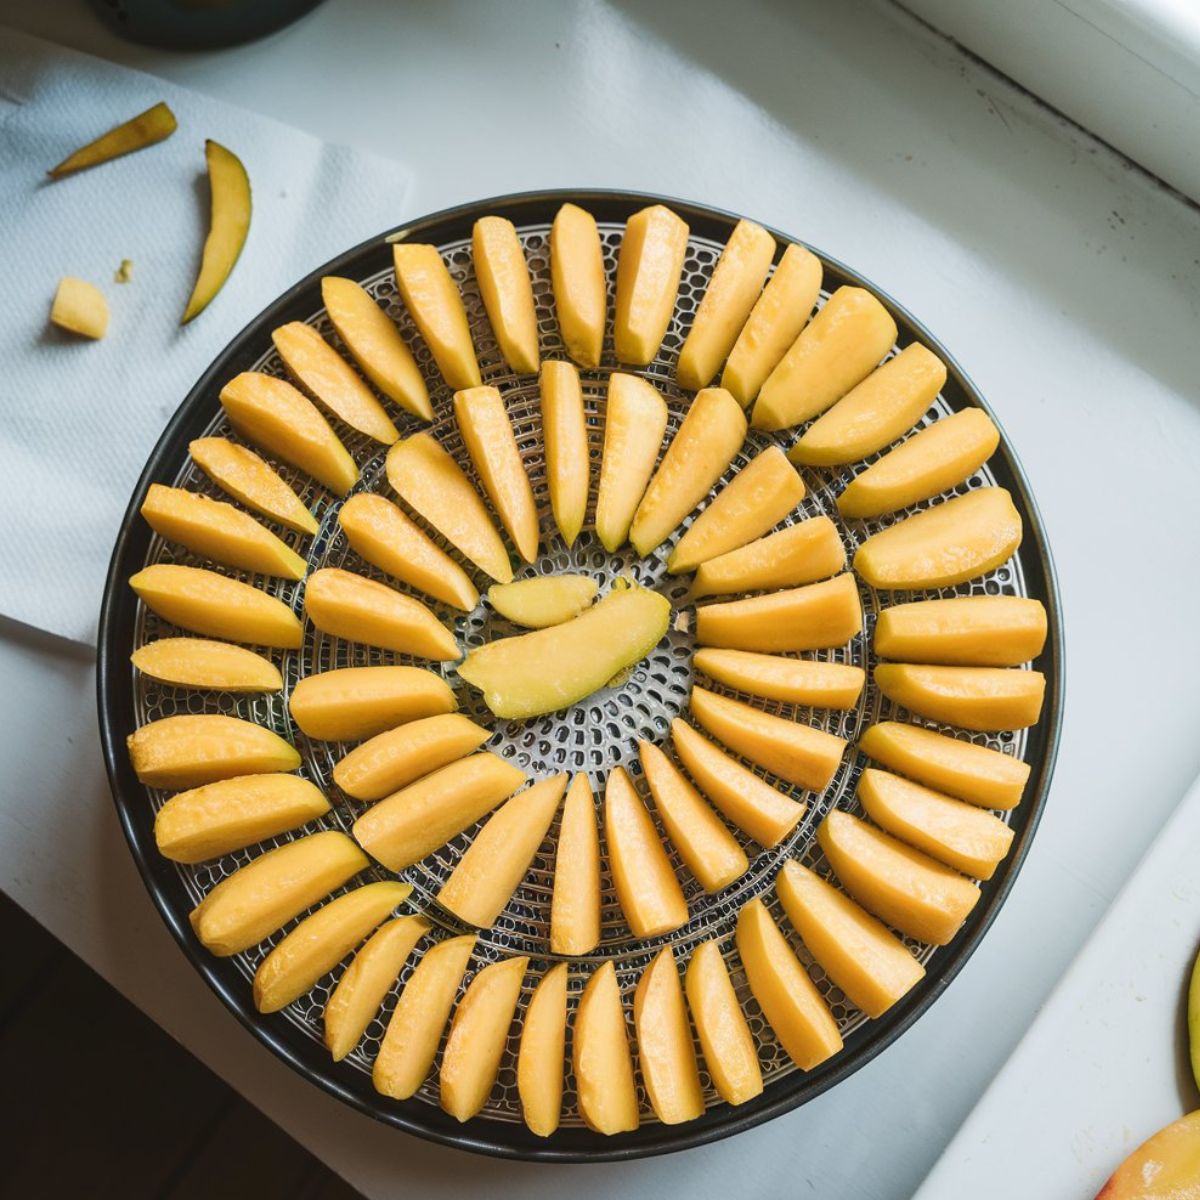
{"x": 1065, "y": 283}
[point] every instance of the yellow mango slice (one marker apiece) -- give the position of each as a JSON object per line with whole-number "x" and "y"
{"x": 837, "y": 350}
{"x": 507, "y": 291}
{"x": 577, "y": 276}
{"x": 202, "y": 601}
{"x": 707, "y": 848}
{"x": 649, "y": 266}
{"x": 699, "y": 454}
{"x": 725, "y": 1037}
{"x": 801, "y": 553}
{"x": 544, "y": 600}
{"x": 565, "y": 440}
{"x": 218, "y": 531}
{"x": 987, "y": 698}
{"x": 376, "y": 345}
{"x": 664, "y": 1042}
{"x": 950, "y": 543}
{"x": 478, "y": 1035}
{"x": 492, "y": 868}
{"x": 359, "y": 702}
{"x": 990, "y": 631}
{"x": 415, "y": 1028}
{"x": 243, "y": 475}
{"x": 792, "y": 680}
{"x": 797, "y": 753}
{"x": 976, "y": 773}
{"x": 229, "y": 222}
{"x": 601, "y": 1059}
{"x": 646, "y": 886}
{"x": 1164, "y": 1167}
{"x": 363, "y": 610}
{"x": 575, "y": 901}
{"x": 193, "y": 749}
{"x": 969, "y": 839}
{"x": 736, "y": 282}
{"x": 278, "y": 418}
{"x": 416, "y": 820}
{"x": 146, "y": 129}
{"x": 433, "y": 301}
{"x": 199, "y": 663}
{"x": 541, "y": 1058}
{"x": 889, "y": 402}
{"x": 755, "y": 807}
{"x": 933, "y": 460}
{"x": 871, "y": 965}
{"x": 209, "y": 821}
{"x": 900, "y": 885}
{"x": 755, "y": 500}
{"x": 804, "y": 618}
{"x": 80, "y": 307}
{"x": 266, "y": 894}
{"x": 787, "y": 995}
{"x": 551, "y": 669}
{"x": 635, "y": 419}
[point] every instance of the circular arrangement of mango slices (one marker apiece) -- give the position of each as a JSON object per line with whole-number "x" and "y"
{"x": 418, "y": 770}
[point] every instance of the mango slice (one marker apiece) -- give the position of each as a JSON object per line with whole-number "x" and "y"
{"x": 725, "y": 1037}
{"x": 376, "y": 344}
{"x": 838, "y": 349}
{"x": 707, "y": 848}
{"x": 664, "y": 1041}
{"x": 540, "y": 1060}
{"x": 266, "y": 894}
{"x": 872, "y": 966}
{"x": 577, "y": 276}
{"x": 804, "y": 618}
{"x": 635, "y": 419}
{"x": 193, "y": 749}
{"x": 320, "y": 371}
{"x": 436, "y": 308}
{"x": 796, "y": 753}
{"x": 749, "y": 802}
{"x": 649, "y": 266}
{"x": 975, "y": 773}
{"x": 486, "y": 876}
{"x": 551, "y": 669}
{"x": 367, "y": 980}
{"x": 350, "y": 606}
{"x": 575, "y": 902}
{"x": 415, "y": 1028}
{"x": 801, "y": 553}
{"x": 416, "y": 820}
{"x": 950, "y": 543}
{"x": 736, "y": 282}
{"x": 394, "y": 759}
{"x": 433, "y": 485}
{"x": 478, "y": 1034}
{"x": 889, "y": 402}
{"x": 990, "y": 631}
{"x": 900, "y": 885}
{"x": 214, "y": 819}
{"x": 969, "y": 839}
{"x": 646, "y": 886}
{"x": 787, "y": 995}
{"x": 1164, "y": 1167}
{"x": 699, "y": 454}
{"x": 507, "y": 291}
{"x": 80, "y": 307}
{"x": 775, "y": 322}
{"x": 281, "y": 420}
{"x": 601, "y": 1059}
{"x": 755, "y": 500}
{"x": 935, "y": 459}
{"x": 202, "y": 601}
{"x": 243, "y": 475}
{"x": 321, "y": 941}
{"x": 359, "y": 702}
{"x": 146, "y": 129}
{"x": 229, "y": 222}
{"x": 792, "y": 680}
{"x": 199, "y": 663}
{"x": 988, "y": 698}
{"x": 565, "y": 440}
{"x": 543, "y": 601}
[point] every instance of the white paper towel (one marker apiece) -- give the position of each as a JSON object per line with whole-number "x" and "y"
{"x": 78, "y": 418}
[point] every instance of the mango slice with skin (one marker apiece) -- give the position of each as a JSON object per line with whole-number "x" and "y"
{"x": 725, "y": 1037}
{"x": 433, "y": 485}
{"x": 986, "y": 698}
{"x": 200, "y": 663}
{"x": 360, "y": 702}
{"x": 544, "y": 600}
{"x": 933, "y": 460}
{"x": 416, "y": 820}
{"x": 950, "y": 543}
{"x": 664, "y": 1041}
{"x": 736, "y": 282}
{"x": 240, "y": 473}
{"x": 229, "y": 223}
{"x": 775, "y": 677}
{"x": 635, "y": 419}
{"x": 603, "y": 1065}
{"x": 577, "y": 276}
{"x": 565, "y": 439}
{"x": 494, "y": 864}
{"x": 432, "y": 299}
{"x": 787, "y": 995}
{"x": 146, "y": 129}
{"x": 551, "y": 669}
{"x": 541, "y": 1058}
{"x": 869, "y": 963}
{"x": 649, "y": 265}
{"x": 699, "y": 454}
{"x": 1164, "y": 1167}
{"x": 991, "y": 631}
{"x": 194, "y": 749}
{"x": 80, "y": 307}
{"x": 507, "y": 291}
{"x": 575, "y": 901}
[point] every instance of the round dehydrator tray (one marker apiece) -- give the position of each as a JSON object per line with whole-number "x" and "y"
{"x": 593, "y": 736}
